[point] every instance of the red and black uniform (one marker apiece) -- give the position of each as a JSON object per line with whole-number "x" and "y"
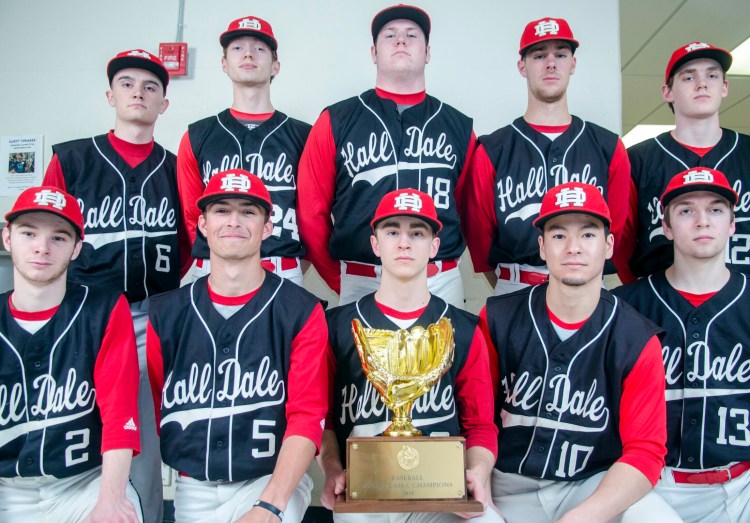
{"x": 68, "y": 392}
{"x": 654, "y": 162}
{"x": 570, "y": 409}
{"x": 512, "y": 170}
{"x": 707, "y": 361}
{"x": 227, "y": 391}
{"x": 459, "y": 404}
{"x": 363, "y": 148}
{"x": 271, "y": 151}
{"x": 131, "y": 212}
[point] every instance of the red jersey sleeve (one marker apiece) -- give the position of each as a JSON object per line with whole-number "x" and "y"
{"x": 308, "y": 385}
{"x": 478, "y": 219}
{"x": 54, "y": 175}
{"x": 189, "y": 185}
{"x": 619, "y": 187}
{"x": 474, "y": 394}
{"x": 316, "y": 178}
{"x": 494, "y": 362}
{"x": 461, "y": 185}
{"x": 155, "y": 365}
{"x": 116, "y": 382}
{"x": 643, "y": 413}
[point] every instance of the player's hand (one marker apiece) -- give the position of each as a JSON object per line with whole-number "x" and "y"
{"x": 334, "y": 486}
{"x": 119, "y": 510}
{"x": 258, "y": 515}
{"x": 480, "y": 491}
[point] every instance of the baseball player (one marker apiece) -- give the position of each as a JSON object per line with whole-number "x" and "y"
{"x": 127, "y": 189}
{"x": 703, "y": 306}
{"x": 579, "y": 381}
{"x": 404, "y": 237}
{"x": 238, "y": 361}
{"x": 250, "y": 135}
{"x": 395, "y": 136}
{"x": 695, "y": 84}
{"x": 68, "y": 377}
{"x": 516, "y": 165}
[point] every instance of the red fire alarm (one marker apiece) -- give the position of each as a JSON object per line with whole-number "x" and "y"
{"x": 174, "y": 57}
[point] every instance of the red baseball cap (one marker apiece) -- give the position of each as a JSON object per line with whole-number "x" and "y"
{"x": 138, "y": 59}
{"x": 547, "y": 29}
{"x": 398, "y": 12}
{"x": 573, "y": 197}
{"x": 48, "y": 198}
{"x": 699, "y": 179}
{"x": 696, "y": 50}
{"x": 235, "y": 183}
{"x": 249, "y": 26}
{"x": 407, "y": 202}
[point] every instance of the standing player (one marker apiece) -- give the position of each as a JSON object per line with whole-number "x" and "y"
{"x": 394, "y": 136}
{"x": 405, "y": 229}
{"x": 579, "y": 381}
{"x": 695, "y": 85}
{"x": 251, "y": 135}
{"x": 238, "y": 362}
{"x": 516, "y": 165}
{"x": 68, "y": 377}
{"x": 126, "y": 185}
{"x": 703, "y": 307}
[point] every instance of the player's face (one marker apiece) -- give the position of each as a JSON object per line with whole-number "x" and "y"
{"x": 249, "y": 61}
{"x": 575, "y": 247}
{"x": 404, "y": 245}
{"x": 137, "y": 96}
{"x": 41, "y": 246}
{"x": 697, "y": 88}
{"x": 234, "y": 228}
{"x": 547, "y": 68}
{"x": 401, "y": 49}
{"x": 701, "y": 223}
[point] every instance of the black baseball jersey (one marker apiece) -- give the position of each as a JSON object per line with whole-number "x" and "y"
{"x": 50, "y": 422}
{"x": 379, "y": 150}
{"x": 527, "y": 164}
{"x": 130, "y": 217}
{"x": 226, "y": 388}
{"x": 707, "y": 365}
{"x": 271, "y": 151}
{"x": 653, "y": 163}
{"x": 558, "y": 405}
{"x": 357, "y": 407}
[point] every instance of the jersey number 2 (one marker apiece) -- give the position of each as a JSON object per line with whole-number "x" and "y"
{"x": 70, "y": 459}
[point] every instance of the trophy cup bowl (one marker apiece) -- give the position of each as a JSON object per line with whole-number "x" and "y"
{"x": 403, "y": 365}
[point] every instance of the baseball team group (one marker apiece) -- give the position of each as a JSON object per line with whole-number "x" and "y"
{"x": 577, "y": 404}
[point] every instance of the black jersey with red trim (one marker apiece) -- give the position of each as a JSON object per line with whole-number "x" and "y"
{"x": 653, "y": 163}
{"x": 378, "y": 151}
{"x": 271, "y": 151}
{"x": 558, "y": 403}
{"x": 707, "y": 365}
{"x": 224, "y": 399}
{"x": 50, "y": 423}
{"x": 527, "y": 164}
{"x": 130, "y": 217}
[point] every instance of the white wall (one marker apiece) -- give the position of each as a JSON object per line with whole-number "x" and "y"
{"x": 53, "y": 56}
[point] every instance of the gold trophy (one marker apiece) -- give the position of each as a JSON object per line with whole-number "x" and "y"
{"x": 403, "y": 471}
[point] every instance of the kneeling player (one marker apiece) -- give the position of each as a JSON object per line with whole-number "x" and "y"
{"x": 580, "y": 381}
{"x": 405, "y": 229}
{"x": 704, "y": 308}
{"x": 239, "y": 360}
{"x": 68, "y": 377}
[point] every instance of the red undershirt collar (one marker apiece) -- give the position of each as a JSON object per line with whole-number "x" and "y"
{"x": 251, "y": 116}
{"x": 700, "y": 151}
{"x": 563, "y": 325}
{"x": 696, "y": 300}
{"x": 402, "y": 99}
{"x": 130, "y": 150}
{"x": 401, "y": 315}
{"x": 230, "y": 300}
{"x": 29, "y": 315}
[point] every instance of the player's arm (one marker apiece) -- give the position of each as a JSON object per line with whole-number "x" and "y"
{"x": 54, "y": 174}
{"x": 619, "y": 187}
{"x": 334, "y": 473}
{"x": 643, "y": 431}
{"x": 155, "y": 366}
{"x": 112, "y": 505}
{"x": 316, "y": 178}
{"x": 189, "y": 185}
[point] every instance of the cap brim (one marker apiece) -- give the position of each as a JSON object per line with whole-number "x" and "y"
{"x": 720, "y": 55}
{"x": 131, "y": 62}
{"x": 15, "y": 214}
{"x": 573, "y": 43}
{"x": 724, "y": 192}
{"x": 203, "y": 202}
{"x": 541, "y": 220}
{"x": 405, "y": 12}
{"x": 226, "y": 38}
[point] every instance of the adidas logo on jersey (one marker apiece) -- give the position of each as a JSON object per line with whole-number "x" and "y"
{"x": 130, "y": 425}
{"x": 546, "y": 27}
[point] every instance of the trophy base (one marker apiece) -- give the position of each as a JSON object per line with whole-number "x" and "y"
{"x": 342, "y": 506}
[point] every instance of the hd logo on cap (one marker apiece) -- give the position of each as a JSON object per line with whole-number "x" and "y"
{"x": 546, "y": 27}
{"x": 408, "y": 201}
{"x": 695, "y": 46}
{"x": 568, "y": 197}
{"x": 140, "y": 54}
{"x": 248, "y": 23}
{"x": 235, "y": 182}
{"x": 702, "y": 176}
{"x": 46, "y": 197}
